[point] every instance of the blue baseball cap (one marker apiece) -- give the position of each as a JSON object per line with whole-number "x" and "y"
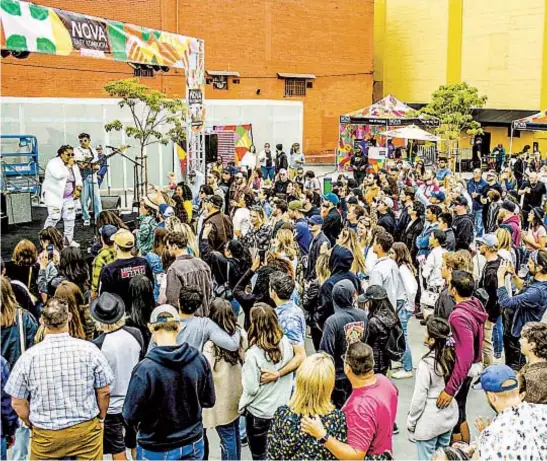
{"x": 332, "y": 198}
{"x": 439, "y": 195}
{"x": 315, "y": 219}
{"x": 494, "y": 377}
{"x": 490, "y": 240}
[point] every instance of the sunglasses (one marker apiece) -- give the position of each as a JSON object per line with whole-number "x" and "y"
{"x": 84, "y": 140}
{"x": 69, "y": 155}
{"x": 325, "y": 205}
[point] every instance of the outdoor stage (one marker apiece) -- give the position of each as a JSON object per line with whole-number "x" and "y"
{"x": 14, "y": 233}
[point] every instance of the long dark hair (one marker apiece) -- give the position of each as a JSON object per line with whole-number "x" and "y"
{"x": 74, "y": 267}
{"x": 110, "y": 217}
{"x": 141, "y": 294}
{"x": 265, "y": 331}
{"x": 222, "y": 313}
{"x": 53, "y": 236}
{"x": 444, "y": 356}
{"x": 376, "y": 305}
{"x": 240, "y": 252}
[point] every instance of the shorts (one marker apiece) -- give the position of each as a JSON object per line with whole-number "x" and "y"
{"x": 117, "y": 435}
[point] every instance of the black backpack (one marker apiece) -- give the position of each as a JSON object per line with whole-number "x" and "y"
{"x": 395, "y": 346}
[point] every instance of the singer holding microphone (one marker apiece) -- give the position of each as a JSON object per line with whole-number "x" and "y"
{"x": 88, "y": 162}
{"x": 61, "y": 188}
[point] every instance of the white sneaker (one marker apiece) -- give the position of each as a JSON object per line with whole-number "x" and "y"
{"x": 402, "y": 374}
{"x": 87, "y": 222}
{"x": 396, "y": 365}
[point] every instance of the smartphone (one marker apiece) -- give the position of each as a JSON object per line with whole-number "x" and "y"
{"x": 49, "y": 249}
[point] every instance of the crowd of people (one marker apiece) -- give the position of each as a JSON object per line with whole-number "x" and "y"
{"x": 248, "y": 301}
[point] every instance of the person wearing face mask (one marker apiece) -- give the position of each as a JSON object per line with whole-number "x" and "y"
{"x": 61, "y": 188}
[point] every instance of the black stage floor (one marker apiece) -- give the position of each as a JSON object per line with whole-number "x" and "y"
{"x": 15, "y": 232}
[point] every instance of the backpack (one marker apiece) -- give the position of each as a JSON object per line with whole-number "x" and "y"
{"x": 396, "y": 346}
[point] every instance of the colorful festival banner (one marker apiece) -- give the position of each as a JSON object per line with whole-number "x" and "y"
{"x": 243, "y": 138}
{"x": 40, "y": 29}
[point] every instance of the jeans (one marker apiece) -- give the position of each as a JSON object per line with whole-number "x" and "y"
{"x": 426, "y": 448}
{"x": 90, "y": 192}
{"x": 479, "y": 227}
{"x": 236, "y": 306}
{"x": 268, "y": 172}
{"x": 22, "y": 443}
{"x": 3, "y": 448}
{"x": 230, "y": 442}
{"x": 191, "y": 451}
{"x": 404, "y": 317}
{"x": 242, "y": 428}
{"x": 497, "y": 334}
{"x": 257, "y": 433}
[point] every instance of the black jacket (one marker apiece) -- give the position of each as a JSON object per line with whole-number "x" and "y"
{"x": 260, "y": 293}
{"x": 387, "y": 221}
{"x": 347, "y": 325}
{"x": 489, "y": 281}
{"x": 166, "y": 395}
{"x": 463, "y": 231}
{"x": 379, "y": 325}
{"x": 281, "y": 161}
{"x": 402, "y": 223}
{"x": 444, "y": 305}
{"x": 332, "y": 225}
{"x": 450, "y": 244}
{"x": 409, "y": 235}
{"x": 310, "y": 300}
{"x": 313, "y": 255}
{"x": 340, "y": 263}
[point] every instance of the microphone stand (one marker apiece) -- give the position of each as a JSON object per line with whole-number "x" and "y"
{"x": 136, "y": 181}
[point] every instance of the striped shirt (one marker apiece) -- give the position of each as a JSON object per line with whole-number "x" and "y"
{"x": 61, "y": 374}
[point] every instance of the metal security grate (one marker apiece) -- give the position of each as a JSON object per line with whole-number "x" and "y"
{"x": 295, "y": 87}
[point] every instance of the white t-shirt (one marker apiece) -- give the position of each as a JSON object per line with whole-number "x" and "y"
{"x": 122, "y": 351}
{"x": 242, "y": 220}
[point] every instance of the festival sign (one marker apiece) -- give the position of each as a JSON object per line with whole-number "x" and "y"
{"x": 40, "y": 29}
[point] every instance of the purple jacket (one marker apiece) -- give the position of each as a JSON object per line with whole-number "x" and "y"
{"x": 467, "y": 323}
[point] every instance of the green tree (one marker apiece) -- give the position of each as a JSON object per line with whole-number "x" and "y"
{"x": 453, "y": 105}
{"x": 156, "y": 118}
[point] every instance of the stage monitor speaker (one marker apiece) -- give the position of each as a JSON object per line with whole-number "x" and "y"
{"x": 111, "y": 202}
{"x": 19, "y": 207}
{"x": 211, "y": 148}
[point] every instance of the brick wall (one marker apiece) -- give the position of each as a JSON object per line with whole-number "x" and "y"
{"x": 258, "y": 38}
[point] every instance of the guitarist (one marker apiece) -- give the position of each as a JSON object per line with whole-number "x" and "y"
{"x": 88, "y": 161}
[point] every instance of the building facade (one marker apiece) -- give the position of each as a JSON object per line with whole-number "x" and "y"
{"x": 317, "y": 52}
{"x": 499, "y": 47}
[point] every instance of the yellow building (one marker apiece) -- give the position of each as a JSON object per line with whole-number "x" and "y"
{"x": 498, "y": 46}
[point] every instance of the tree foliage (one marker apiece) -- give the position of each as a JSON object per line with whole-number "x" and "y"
{"x": 453, "y": 105}
{"x": 156, "y": 118}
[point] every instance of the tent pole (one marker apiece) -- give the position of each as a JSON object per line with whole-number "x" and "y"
{"x": 511, "y": 144}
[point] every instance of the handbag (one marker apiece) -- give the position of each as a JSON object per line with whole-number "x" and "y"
{"x": 224, "y": 291}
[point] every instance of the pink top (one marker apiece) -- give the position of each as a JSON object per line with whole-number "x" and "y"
{"x": 370, "y": 415}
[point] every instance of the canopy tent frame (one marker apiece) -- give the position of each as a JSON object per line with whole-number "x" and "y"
{"x": 535, "y": 122}
{"x": 33, "y": 28}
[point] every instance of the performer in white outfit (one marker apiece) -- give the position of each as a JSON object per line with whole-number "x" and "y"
{"x": 61, "y": 188}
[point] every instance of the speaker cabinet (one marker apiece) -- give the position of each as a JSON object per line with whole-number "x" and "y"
{"x": 211, "y": 148}
{"x": 19, "y": 207}
{"x": 111, "y": 202}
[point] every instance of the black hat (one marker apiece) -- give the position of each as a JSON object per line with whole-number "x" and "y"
{"x": 509, "y": 206}
{"x": 216, "y": 201}
{"x": 538, "y": 214}
{"x": 107, "y": 308}
{"x": 460, "y": 200}
{"x": 279, "y": 146}
{"x": 375, "y": 292}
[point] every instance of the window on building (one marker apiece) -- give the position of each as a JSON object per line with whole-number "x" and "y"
{"x": 220, "y": 82}
{"x": 295, "y": 87}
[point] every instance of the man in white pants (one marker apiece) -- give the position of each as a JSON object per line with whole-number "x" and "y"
{"x": 61, "y": 188}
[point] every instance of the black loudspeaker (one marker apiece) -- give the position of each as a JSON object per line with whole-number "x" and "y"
{"x": 19, "y": 207}
{"x": 111, "y": 202}
{"x": 211, "y": 148}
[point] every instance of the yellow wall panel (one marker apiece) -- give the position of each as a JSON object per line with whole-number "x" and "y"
{"x": 379, "y": 38}
{"x": 415, "y": 48}
{"x": 502, "y": 51}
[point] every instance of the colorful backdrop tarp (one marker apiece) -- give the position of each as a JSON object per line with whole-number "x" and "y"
{"x": 243, "y": 138}
{"x": 41, "y": 29}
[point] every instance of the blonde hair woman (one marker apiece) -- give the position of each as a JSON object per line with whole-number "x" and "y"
{"x": 14, "y": 321}
{"x": 348, "y": 238}
{"x": 187, "y": 231}
{"x": 312, "y": 398}
{"x": 284, "y": 245}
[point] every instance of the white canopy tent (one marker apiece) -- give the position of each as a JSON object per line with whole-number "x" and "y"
{"x": 412, "y": 132}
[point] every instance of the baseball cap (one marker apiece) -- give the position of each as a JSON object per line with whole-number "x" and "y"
{"x": 386, "y": 201}
{"x": 296, "y": 205}
{"x": 107, "y": 231}
{"x": 215, "y": 200}
{"x": 315, "y": 219}
{"x": 490, "y": 240}
{"x": 439, "y": 195}
{"x": 494, "y": 377}
{"x": 375, "y": 292}
{"x": 164, "y": 313}
{"x": 332, "y": 198}
{"x": 166, "y": 211}
{"x": 460, "y": 200}
{"x": 509, "y": 206}
{"x": 124, "y": 239}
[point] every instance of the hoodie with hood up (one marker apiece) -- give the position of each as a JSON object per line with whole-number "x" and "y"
{"x": 346, "y": 326}
{"x": 512, "y": 223}
{"x": 340, "y": 263}
{"x": 467, "y": 321}
{"x": 166, "y": 394}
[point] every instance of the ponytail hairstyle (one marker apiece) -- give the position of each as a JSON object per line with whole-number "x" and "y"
{"x": 443, "y": 348}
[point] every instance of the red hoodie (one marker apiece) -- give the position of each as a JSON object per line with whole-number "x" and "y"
{"x": 514, "y": 223}
{"x": 467, "y": 322}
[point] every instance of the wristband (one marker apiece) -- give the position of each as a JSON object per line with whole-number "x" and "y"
{"x": 323, "y": 440}
{"x": 101, "y": 420}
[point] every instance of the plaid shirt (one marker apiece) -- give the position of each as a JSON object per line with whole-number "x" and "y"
{"x": 61, "y": 374}
{"x": 105, "y": 256}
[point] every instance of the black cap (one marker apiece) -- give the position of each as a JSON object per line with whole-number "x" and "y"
{"x": 375, "y": 292}
{"x": 538, "y": 214}
{"x": 460, "y": 200}
{"x": 215, "y": 200}
{"x": 107, "y": 308}
{"x": 509, "y": 206}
